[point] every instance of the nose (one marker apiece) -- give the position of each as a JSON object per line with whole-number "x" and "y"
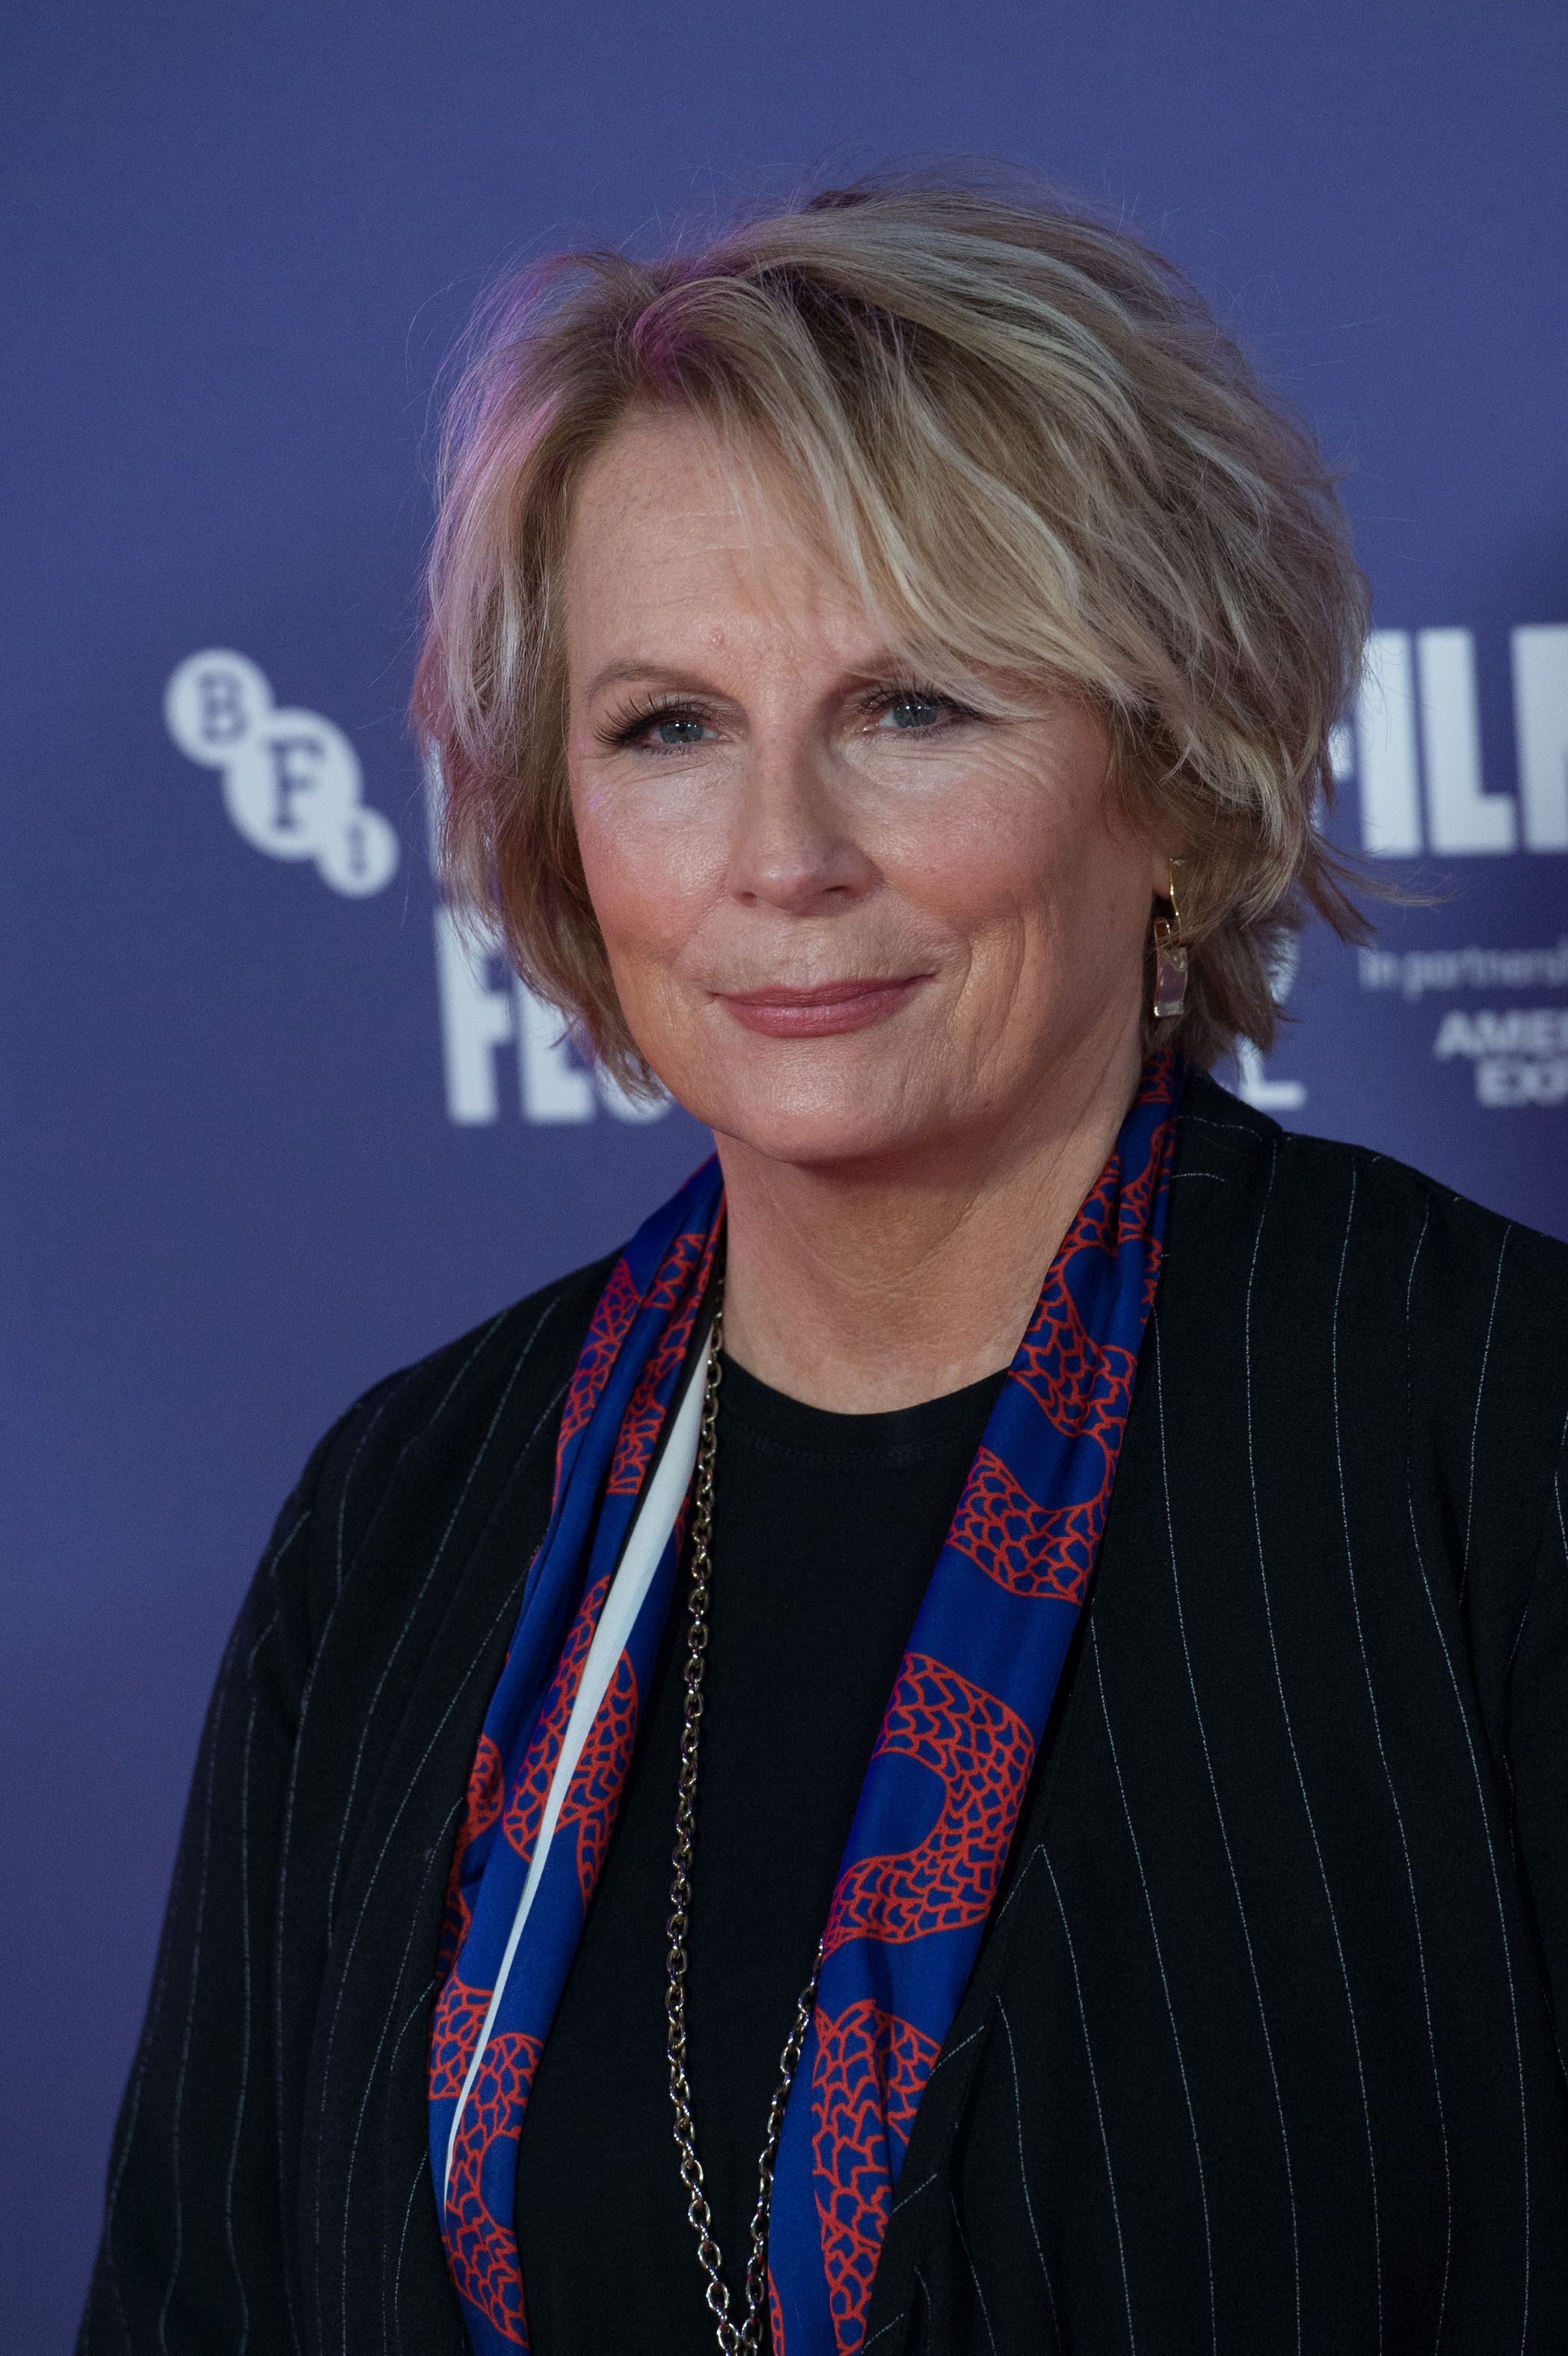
{"x": 793, "y": 843}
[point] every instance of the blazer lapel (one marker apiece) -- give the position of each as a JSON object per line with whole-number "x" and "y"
{"x": 374, "y": 2274}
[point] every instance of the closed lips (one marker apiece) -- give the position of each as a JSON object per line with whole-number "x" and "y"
{"x": 848, "y": 1005}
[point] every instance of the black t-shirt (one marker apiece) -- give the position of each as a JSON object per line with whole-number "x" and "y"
{"x": 826, "y": 1530}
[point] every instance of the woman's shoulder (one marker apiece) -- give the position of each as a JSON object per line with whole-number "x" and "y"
{"x": 509, "y": 1364}
{"x": 431, "y": 1447}
{"x": 1323, "y": 1186}
{"x": 1348, "y": 1296}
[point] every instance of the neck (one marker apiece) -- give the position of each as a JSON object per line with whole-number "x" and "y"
{"x": 879, "y": 1285}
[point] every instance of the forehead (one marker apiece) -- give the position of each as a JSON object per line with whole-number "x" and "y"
{"x": 671, "y": 537}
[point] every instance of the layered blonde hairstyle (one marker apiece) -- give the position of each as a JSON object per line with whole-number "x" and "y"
{"x": 1029, "y": 447}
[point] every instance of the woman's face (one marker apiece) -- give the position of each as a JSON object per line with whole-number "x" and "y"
{"x": 848, "y": 920}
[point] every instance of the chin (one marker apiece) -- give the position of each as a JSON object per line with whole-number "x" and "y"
{"x": 806, "y": 1126}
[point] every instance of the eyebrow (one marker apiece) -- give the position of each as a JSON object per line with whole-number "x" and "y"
{"x": 884, "y": 664}
{"x": 622, "y": 674}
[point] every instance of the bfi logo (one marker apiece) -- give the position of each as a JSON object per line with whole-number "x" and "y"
{"x": 291, "y": 781}
{"x": 1417, "y": 725}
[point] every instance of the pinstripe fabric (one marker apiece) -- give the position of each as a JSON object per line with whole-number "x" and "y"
{"x": 1312, "y": 1950}
{"x": 1261, "y": 2053}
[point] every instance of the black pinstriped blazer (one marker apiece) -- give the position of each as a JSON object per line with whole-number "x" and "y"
{"x": 1260, "y": 2053}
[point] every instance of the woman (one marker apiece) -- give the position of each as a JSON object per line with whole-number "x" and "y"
{"x": 717, "y": 1827}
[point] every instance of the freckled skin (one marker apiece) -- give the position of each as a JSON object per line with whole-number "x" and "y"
{"x": 775, "y": 826}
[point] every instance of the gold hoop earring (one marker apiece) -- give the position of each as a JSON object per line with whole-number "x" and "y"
{"x": 1169, "y": 958}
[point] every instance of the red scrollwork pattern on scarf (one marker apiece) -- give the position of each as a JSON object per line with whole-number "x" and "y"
{"x": 981, "y": 1752}
{"x": 870, "y": 2071}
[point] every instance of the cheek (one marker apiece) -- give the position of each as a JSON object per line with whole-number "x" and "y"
{"x": 647, "y": 872}
{"x": 1006, "y": 855}
{"x": 1048, "y": 900}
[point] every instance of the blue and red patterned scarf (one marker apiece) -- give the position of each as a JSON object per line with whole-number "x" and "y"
{"x": 943, "y": 1788}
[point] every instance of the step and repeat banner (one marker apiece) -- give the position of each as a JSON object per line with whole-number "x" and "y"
{"x": 271, "y": 1124}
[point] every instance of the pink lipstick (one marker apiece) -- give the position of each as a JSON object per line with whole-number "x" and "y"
{"x": 832, "y": 1007}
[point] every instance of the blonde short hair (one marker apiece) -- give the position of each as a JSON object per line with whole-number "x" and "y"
{"x": 1033, "y": 450}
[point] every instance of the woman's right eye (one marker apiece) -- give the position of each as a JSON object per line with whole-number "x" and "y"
{"x": 668, "y": 728}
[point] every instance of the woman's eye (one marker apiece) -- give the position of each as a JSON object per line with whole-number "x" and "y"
{"x": 912, "y": 712}
{"x": 669, "y": 731}
{"x": 677, "y": 729}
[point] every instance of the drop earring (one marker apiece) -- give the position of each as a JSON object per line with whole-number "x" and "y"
{"x": 1169, "y": 958}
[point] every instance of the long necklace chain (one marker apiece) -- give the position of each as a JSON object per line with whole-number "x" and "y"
{"x": 747, "y": 2337}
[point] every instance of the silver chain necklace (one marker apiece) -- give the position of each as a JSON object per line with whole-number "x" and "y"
{"x": 747, "y": 2337}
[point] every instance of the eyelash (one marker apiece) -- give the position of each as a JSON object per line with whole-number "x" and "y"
{"x": 618, "y": 734}
{"x": 642, "y": 716}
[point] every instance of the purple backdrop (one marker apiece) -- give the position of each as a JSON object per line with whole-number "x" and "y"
{"x": 266, "y": 1134}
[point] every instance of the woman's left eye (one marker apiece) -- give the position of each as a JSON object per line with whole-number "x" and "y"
{"x": 677, "y": 729}
{"x": 913, "y": 713}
